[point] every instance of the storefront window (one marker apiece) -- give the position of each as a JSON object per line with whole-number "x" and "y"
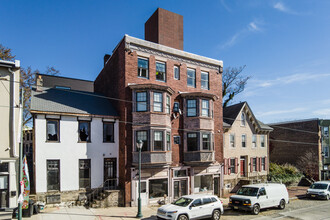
{"x": 158, "y": 188}
{"x": 202, "y": 183}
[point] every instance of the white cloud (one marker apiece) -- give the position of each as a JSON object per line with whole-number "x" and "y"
{"x": 253, "y": 26}
{"x": 301, "y": 77}
{"x": 225, "y": 5}
{"x": 323, "y": 112}
{"x": 279, "y": 112}
{"x": 283, "y": 8}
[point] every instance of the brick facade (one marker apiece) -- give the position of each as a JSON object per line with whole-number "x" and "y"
{"x": 290, "y": 141}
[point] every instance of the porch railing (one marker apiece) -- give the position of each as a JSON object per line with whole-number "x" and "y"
{"x": 97, "y": 193}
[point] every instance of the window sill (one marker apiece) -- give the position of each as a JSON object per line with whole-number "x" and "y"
{"x": 53, "y": 141}
{"x": 141, "y": 77}
{"x": 84, "y": 142}
{"x": 107, "y": 142}
{"x": 158, "y": 80}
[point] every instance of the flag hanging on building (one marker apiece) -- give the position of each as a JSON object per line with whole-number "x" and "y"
{"x": 26, "y": 184}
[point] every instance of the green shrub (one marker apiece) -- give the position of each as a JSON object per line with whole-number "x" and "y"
{"x": 287, "y": 173}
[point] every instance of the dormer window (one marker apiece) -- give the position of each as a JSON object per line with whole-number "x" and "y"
{"x": 243, "y": 119}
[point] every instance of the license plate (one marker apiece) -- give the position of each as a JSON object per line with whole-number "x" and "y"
{"x": 235, "y": 207}
{"x": 313, "y": 195}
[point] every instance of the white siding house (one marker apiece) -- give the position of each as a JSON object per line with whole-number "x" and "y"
{"x": 75, "y": 141}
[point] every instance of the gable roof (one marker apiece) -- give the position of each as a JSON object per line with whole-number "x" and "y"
{"x": 71, "y": 102}
{"x": 230, "y": 114}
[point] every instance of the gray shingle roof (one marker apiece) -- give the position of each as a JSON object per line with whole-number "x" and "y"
{"x": 71, "y": 101}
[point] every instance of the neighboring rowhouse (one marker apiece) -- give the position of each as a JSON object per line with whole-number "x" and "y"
{"x": 75, "y": 139}
{"x": 245, "y": 147}
{"x": 9, "y": 132}
{"x": 302, "y": 143}
{"x": 172, "y": 101}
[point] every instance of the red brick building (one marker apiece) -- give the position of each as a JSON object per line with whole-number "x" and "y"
{"x": 172, "y": 101}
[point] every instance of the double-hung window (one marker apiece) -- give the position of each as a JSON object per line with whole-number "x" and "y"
{"x": 232, "y": 140}
{"x": 176, "y": 72}
{"x": 108, "y": 132}
{"x": 168, "y": 104}
{"x": 205, "y": 108}
{"x": 158, "y": 141}
{"x": 84, "y": 131}
{"x": 243, "y": 140}
{"x": 158, "y": 102}
{"x": 168, "y": 141}
{"x": 232, "y": 165}
{"x": 143, "y": 68}
{"x": 141, "y": 101}
{"x": 191, "y": 107}
{"x": 254, "y": 141}
{"x": 192, "y": 142}
{"x": 143, "y": 136}
{"x": 206, "y": 141}
{"x": 243, "y": 119}
{"x": 254, "y": 164}
{"x": 263, "y": 162}
{"x": 205, "y": 80}
{"x": 53, "y": 130}
{"x": 160, "y": 71}
{"x": 262, "y": 140}
{"x": 191, "y": 77}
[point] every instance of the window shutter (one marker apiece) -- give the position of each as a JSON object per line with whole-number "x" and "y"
{"x": 266, "y": 164}
{"x": 229, "y": 166}
{"x": 236, "y": 167}
{"x": 257, "y": 165}
{"x": 260, "y": 163}
{"x": 226, "y": 167}
{"x": 251, "y": 164}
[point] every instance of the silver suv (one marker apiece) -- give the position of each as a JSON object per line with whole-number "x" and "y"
{"x": 192, "y": 207}
{"x": 319, "y": 190}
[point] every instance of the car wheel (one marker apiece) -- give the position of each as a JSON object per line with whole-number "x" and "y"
{"x": 282, "y": 204}
{"x": 328, "y": 197}
{"x": 183, "y": 217}
{"x": 216, "y": 215}
{"x": 256, "y": 209}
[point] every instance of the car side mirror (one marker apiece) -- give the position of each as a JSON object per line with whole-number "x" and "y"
{"x": 258, "y": 195}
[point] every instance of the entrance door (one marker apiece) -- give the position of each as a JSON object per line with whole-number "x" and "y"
{"x": 4, "y": 191}
{"x": 144, "y": 193}
{"x": 110, "y": 173}
{"x": 242, "y": 165}
{"x": 216, "y": 185}
{"x": 180, "y": 188}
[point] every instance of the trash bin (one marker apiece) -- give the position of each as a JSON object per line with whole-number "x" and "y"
{"x": 29, "y": 211}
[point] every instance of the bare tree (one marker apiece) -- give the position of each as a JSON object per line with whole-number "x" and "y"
{"x": 232, "y": 83}
{"x": 5, "y": 53}
{"x": 308, "y": 164}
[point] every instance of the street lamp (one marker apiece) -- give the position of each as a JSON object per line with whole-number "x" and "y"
{"x": 322, "y": 171}
{"x": 139, "y": 145}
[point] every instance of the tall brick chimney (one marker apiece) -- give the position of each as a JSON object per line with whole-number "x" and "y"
{"x": 166, "y": 28}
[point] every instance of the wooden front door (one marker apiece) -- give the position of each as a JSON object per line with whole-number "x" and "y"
{"x": 242, "y": 165}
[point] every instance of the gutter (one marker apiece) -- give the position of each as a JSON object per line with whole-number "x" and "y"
{"x": 13, "y": 128}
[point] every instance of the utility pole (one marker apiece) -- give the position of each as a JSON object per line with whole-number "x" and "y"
{"x": 20, "y": 158}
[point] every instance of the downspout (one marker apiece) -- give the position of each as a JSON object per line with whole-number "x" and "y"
{"x": 13, "y": 128}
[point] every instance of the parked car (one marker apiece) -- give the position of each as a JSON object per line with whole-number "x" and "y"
{"x": 319, "y": 190}
{"x": 192, "y": 207}
{"x": 259, "y": 196}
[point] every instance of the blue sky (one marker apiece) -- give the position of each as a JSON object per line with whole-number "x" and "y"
{"x": 285, "y": 44}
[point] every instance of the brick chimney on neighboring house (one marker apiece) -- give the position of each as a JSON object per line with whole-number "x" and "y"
{"x": 166, "y": 28}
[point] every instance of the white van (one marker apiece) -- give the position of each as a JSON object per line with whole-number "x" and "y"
{"x": 259, "y": 196}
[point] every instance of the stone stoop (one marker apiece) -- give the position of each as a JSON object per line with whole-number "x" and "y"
{"x": 108, "y": 198}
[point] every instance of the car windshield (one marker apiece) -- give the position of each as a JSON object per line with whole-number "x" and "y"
{"x": 247, "y": 191}
{"x": 182, "y": 202}
{"x": 319, "y": 186}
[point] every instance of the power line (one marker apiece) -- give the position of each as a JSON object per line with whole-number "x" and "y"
{"x": 151, "y": 105}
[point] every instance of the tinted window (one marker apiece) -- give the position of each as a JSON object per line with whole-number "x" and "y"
{"x": 207, "y": 200}
{"x": 197, "y": 202}
{"x": 262, "y": 192}
{"x": 214, "y": 199}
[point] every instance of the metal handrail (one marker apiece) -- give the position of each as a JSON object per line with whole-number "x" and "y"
{"x": 109, "y": 184}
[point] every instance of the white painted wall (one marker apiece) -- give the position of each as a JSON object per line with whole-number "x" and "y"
{"x": 69, "y": 151}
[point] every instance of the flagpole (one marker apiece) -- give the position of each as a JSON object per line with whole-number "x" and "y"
{"x": 20, "y": 159}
